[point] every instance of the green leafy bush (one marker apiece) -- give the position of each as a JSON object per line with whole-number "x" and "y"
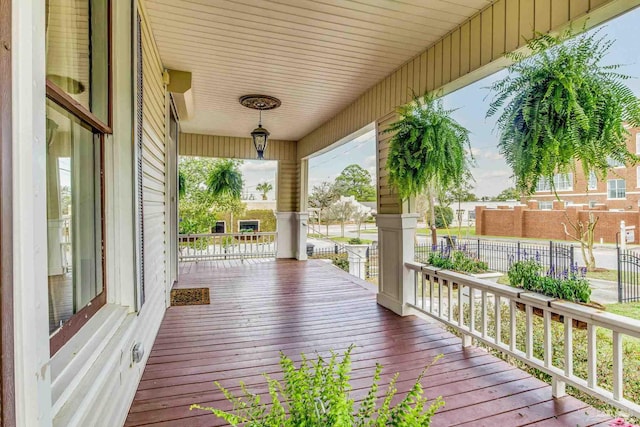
{"x": 318, "y": 394}
{"x": 444, "y": 216}
{"x": 355, "y": 241}
{"x": 457, "y": 261}
{"x": 568, "y": 285}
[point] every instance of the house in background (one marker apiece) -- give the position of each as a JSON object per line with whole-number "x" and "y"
{"x": 97, "y": 100}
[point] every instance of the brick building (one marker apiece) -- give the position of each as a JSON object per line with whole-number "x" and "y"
{"x": 620, "y": 190}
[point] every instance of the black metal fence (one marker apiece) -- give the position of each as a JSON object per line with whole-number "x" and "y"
{"x": 499, "y": 255}
{"x": 628, "y": 276}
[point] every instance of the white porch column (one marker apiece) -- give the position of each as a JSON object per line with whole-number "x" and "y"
{"x": 357, "y": 260}
{"x": 396, "y": 236}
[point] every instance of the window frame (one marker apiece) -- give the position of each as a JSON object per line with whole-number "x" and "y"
{"x": 617, "y": 189}
{"x": 638, "y": 142}
{"x": 590, "y": 179}
{"x": 100, "y": 129}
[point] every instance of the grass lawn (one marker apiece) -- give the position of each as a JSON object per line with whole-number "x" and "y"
{"x": 369, "y": 231}
{"x": 346, "y": 240}
{"x": 629, "y": 309}
{"x": 610, "y": 275}
{"x": 465, "y": 231}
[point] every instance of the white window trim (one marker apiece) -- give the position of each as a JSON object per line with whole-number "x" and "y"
{"x": 609, "y": 191}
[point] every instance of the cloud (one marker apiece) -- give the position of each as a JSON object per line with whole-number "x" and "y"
{"x": 480, "y": 153}
{"x": 258, "y": 166}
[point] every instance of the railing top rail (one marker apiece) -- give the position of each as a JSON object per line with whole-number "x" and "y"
{"x": 257, "y": 233}
{"x": 615, "y": 322}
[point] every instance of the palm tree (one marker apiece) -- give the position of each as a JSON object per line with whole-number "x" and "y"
{"x": 225, "y": 181}
{"x": 264, "y": 188}
{"x": 429, "y": 151}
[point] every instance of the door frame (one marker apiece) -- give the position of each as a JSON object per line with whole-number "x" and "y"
{"x": 7, "y": 389}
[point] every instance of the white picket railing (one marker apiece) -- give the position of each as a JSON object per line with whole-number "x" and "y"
{"x": 454, "y": 299}
{"x": 220, "y": 246}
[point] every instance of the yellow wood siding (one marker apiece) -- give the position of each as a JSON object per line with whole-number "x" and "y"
{"x": 192, "y": 144}
{"x": 470, "y": 48}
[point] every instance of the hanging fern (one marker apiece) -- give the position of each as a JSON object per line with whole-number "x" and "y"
{"x": 428, "y": 147}
{"x": 560, "y": 105}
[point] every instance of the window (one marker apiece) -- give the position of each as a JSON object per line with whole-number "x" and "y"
{"x": 616, "y": 189}
{"x": 563, "y": 181}
{"x": 638, "y": 176}
{"x": 613, "y": 163}
{"x": 592, "y": 203}
{"x": 543, "y": 185}
{"x": 77, "y": 117}
{"x": 545, "y": 206}
{"x": 638, "y": 143}
{"x": 593, "y": 181}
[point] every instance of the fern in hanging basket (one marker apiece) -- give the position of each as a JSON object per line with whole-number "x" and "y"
{"x": 559, "y": 104}
{"x": 428, "y": 147}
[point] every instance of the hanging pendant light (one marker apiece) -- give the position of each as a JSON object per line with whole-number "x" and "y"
{"x": 260, "y": 135}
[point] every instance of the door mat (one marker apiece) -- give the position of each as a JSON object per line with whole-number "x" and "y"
{"x": 190, "y": 296}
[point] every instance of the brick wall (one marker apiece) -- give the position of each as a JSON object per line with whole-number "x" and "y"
{"x": 522, "y": 221}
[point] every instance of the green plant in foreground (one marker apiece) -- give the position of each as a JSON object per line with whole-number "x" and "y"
{"x": 567, "y": 285}
{"x": 318, "y": 394}
{"x": 457, "y": 261}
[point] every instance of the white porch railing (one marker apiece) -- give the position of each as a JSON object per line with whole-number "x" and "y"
{"x": 221, "y": 246}
{"x": 478, "y": 309}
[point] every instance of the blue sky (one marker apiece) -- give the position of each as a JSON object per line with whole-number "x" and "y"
{"x": 491, "y": 174}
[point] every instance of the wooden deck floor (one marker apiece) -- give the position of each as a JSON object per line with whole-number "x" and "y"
{"x": 258, "y": 310}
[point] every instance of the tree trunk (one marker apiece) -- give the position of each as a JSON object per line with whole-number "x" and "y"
{"x": 341, "y": 229}
{"x": 432, "y": 211}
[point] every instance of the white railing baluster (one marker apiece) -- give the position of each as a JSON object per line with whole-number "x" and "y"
{"x": 617, "y": 366}
{"x": 484, "y": 313}
{"x": 548, "y": 349}
{"x": 424, "y": 290}
{"x": 528, "y": 343}
{"x": 460, "y": 306}
{"x": 513, "y": 338}
{"x": 472, "y": 310}
{"x": 431, "y": 286}
{"x": 449, "y": 301}
{"x": 440, "y": 298}
{"x": 211, "y": 246}
{"x": 498, "y": 318}
{"x": 592, "y": 355}
{"x": 568, "y": 346}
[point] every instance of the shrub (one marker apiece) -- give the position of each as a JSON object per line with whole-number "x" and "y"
{"x": 444, "y": 216}
{"x": 457, "y": 261}
{"x": 318, "y": 394}
{"x": 569, "y": 285}
{"x": 355, "y": 241}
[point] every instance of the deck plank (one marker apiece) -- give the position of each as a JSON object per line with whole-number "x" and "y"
{"x": 261, "y": 308}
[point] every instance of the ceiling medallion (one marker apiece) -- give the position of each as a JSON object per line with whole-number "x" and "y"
{"x": 260, "y": 102}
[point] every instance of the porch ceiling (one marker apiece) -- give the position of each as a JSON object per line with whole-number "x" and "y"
{"x": 317, "y": 56}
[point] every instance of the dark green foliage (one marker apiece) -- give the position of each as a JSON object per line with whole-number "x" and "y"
{"x": 561, "y": 105}
{"x": 428, "y": 147}
{"x": 318, "y": 394}
{"x": 444, "y": 216}
{"x": 457, "y": 261}
{"x": 567, "y": 285}
{"x": 508, "y": 194}
{"x": 266, "y": 217}
{"x": 225, "y": 179}
{"x": 355, "y": 241}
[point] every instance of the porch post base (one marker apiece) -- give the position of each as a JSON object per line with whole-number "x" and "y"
{"x": 396, "y": 237}
{"x": 302, "y": 220}
{"x": 286, "y": 228}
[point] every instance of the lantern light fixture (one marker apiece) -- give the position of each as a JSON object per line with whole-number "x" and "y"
{"x": 260, "y": 135}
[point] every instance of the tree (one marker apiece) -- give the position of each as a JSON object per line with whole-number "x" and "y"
{"x": 428, "y": 151}
{"x": 442, "y": 218}
{"x": 356, "y": 181}
{"x": 342, "y": 210}
{"x": 321, "y": 198}
{"x": 562, "y": 108}
{"x": 264, "y": 188}
{"x": 508, "y": 194}
{"x": 583, "y": 232}
{"x": 360, "y": 214}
